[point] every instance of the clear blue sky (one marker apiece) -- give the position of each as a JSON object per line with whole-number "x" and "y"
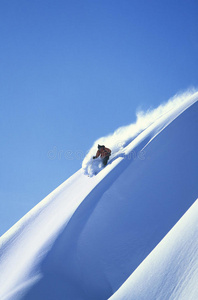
{"x": 72, "y": 71}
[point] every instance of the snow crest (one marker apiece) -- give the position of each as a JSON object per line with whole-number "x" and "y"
{"x": 91, "y": 234}
{"x": 123, "y": 136}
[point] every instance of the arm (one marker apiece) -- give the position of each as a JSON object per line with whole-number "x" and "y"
{"x": 97, "y": 154}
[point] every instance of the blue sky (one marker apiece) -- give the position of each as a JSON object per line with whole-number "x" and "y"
{"x": 72, "y": 71}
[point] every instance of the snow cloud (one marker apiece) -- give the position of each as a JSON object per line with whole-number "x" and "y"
{"x": 119, "y": 139}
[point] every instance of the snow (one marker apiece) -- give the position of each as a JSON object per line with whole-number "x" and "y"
{"x": 171, "y": 270}
{"x": 123, "y": 136}
{"x": 106, "y": 236}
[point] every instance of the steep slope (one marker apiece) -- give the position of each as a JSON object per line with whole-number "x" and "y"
{"x": 87, "y": 237}
{"x": 171, "y": 270}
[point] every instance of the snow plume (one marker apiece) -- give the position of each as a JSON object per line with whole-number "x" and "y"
{"x": 118, "y": 140}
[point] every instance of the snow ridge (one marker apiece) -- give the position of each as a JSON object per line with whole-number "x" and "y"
{"x": 124, "y": 135}
{"x": 172, "y": 266}
{"x": 88, "y": 236}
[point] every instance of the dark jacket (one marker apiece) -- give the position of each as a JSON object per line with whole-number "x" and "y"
{"x": 103, "y": 152}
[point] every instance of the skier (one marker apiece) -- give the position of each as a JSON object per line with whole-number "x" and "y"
{"x": 104, "y": 153}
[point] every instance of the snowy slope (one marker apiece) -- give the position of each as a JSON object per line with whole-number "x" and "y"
{"x": 171, "y": 270}
{"x": 89, "y": 235}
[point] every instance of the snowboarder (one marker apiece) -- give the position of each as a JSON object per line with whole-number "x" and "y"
{"x": 104, "y": 153}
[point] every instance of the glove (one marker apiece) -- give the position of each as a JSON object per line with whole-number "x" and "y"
{"x": 94, "y": 157}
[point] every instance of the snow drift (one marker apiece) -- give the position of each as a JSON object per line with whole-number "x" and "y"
{"x": 92, "y": 233}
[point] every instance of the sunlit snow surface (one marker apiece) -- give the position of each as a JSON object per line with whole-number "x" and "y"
{"x": 92, "y": 233}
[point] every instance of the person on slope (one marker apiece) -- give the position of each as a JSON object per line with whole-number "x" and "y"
{"x": 104, "y": 153}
